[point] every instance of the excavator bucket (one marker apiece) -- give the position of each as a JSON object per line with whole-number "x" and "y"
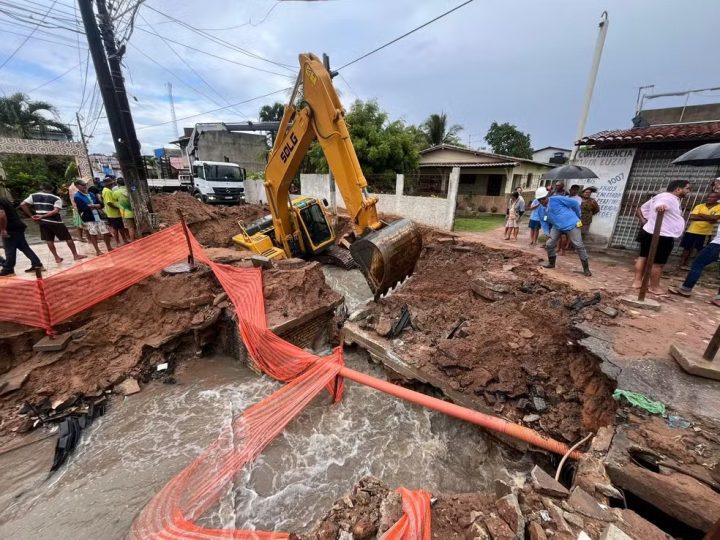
{"x": 387, "y": 256}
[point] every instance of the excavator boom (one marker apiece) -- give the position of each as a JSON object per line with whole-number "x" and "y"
{"x": 386, "y": 253}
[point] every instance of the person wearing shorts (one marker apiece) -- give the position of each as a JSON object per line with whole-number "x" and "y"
{"x": 672, "y": 227}
{"x": 44, "y": 209}
{"x": 76, "y": 220}
{"x": 122, "y": 199}
{"x": 534, "y": 224}
{"x": 89, "y": 207}
{"x": 700, "y": 227}
{"x": 112, "y": 210}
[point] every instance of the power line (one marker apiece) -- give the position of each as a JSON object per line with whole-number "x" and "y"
{"x": 187, "y": 64}
{"x": 54, "y": 79}
{"x": 220, "y": 108}
{"x": 213, "y": 55}
{"x": 406, "y": 34}
{"x": 221, "y": 41}
{"x": 23, "y": 42}
{"x": 40, "y": 39}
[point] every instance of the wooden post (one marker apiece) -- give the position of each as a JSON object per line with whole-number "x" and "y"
{"x": 43, "y": 301}
{"x": 191, "y": 257}
{"x": 713, "y": 346}
{"x": 651, "y": 255}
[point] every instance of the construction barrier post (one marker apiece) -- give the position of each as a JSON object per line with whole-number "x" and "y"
{"x": 191, "y": 257}
{"x": 44, "y": 303}
{"x": 651, "y": 256}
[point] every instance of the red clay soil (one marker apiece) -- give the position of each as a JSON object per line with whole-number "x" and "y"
{"x": 512, "y": 344}
{"x": 152, "y": 322}
{"x": 213, "y": 226}
{"x": 372, "y": 507}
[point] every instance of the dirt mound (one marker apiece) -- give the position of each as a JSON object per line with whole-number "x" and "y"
{"x": 488, "y": 323}
{"x": 213, "y": 226}
{"x": 162, "y": 319}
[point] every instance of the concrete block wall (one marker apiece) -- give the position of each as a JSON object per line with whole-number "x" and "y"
{"x": 436, "y": 212}
{"x": 255, "y": 192}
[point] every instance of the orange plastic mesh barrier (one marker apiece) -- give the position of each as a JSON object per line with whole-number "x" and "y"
{"x": 415, "y": 522}
{"x": 85, "y": 284}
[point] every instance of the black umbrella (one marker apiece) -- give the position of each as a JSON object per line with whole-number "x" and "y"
{"x": 706, "y": 154}
{"x": 569, "y": 172}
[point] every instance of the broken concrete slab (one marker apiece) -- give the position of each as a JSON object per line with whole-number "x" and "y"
{"x": 648, "y": 303}
{"x": 54, "y": 343}
{"x": 535, "y": 531}
{"x": 508, "y": 508}
{"x": 484, "y": 292}
{"x": 694, "y": 363}
{"x": 546, "y": 484}
{"x": 128, "y": 387}
{"x": 260, "y": 261}
{"x": 613, "y": 533}
{"x": 602, "y": 439}
{"x": 499, "y": 530}
{"x": 584, "y": 503}
{"x": 13, "y": 380}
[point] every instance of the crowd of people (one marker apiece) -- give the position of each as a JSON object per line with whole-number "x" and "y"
{"x": 564, "y": 216}
{"x": 100, "y": 209}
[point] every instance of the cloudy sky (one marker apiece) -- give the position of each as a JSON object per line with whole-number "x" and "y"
{"x": 519, "y": 61}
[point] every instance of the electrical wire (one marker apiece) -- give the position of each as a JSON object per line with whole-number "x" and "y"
{"x": 4, "y": 30}
{"x": 54, "y": 79}
{"x": 214, "y": 55}
{"x": 17, "y": 49}
{"x": 221, "y": 41}
{"x": 187, "y": 64}
{"x": 381, "y": 47}
{"x": 219, "y": 109}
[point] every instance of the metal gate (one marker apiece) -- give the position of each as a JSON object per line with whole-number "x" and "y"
{"x": 650, "y": 174}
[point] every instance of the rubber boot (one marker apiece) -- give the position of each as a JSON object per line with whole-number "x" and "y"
{"x": 586, "y": 268}
{"x": 550, "y": 263}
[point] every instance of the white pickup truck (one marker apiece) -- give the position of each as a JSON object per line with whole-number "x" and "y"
{"x": 214, "y": 182}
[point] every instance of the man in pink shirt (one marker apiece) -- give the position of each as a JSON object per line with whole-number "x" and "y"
{"x": 672, "y": 227}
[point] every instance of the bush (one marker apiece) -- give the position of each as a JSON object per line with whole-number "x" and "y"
{"x": 493, "y": 209}
{"x": 482, "y": 209}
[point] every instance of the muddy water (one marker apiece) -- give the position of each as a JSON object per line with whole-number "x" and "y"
{"x": 130, "y": 453}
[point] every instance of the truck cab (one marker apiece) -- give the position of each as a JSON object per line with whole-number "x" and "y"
{"x": 218, "y": 182}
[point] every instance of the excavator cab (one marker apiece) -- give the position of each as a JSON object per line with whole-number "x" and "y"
{"x": 316, "y": 230}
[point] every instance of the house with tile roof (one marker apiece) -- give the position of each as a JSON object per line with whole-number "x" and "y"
{"x": 486, "y": 179}
{"x": 635, "y": 163}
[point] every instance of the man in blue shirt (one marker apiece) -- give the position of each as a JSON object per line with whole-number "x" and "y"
{"x": 562, "y": 216}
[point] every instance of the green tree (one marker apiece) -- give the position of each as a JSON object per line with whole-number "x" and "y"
{"x": 508, "y": 140}
{"x": 24, "y": 173}
{"x": 381, "y": 146}
{"x": 436, "y": 130}
{"x": 21, "y": 117}
{"x": 271, "y": 113}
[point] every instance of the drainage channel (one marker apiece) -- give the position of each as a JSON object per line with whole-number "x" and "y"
{"x": 143, "y": 441}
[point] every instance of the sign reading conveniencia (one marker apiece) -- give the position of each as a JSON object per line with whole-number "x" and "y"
{"x": 612, "y": 166}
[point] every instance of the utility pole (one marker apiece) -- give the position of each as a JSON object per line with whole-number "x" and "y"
{"x": 333, "y": 195}
{"x": 599, "y": 44}
{"x": 84, "y": 142}
{"x": 173, "y": 116}
{"x": 117, "y": 109}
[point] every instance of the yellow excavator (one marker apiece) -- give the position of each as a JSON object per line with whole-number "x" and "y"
{"x": 385, "y": 252}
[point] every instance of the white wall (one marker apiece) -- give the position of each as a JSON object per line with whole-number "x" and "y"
{"x": 543, "y": 156}
{"x": 431, "y": 211}
{"x": 255, "y": 192}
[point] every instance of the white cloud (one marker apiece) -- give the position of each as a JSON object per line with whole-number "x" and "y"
{"x": 522, "y": 61}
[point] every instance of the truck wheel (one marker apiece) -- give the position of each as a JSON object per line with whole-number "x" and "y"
{"x": 200, "y": 197}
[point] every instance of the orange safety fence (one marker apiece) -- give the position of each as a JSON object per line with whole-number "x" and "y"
{"x": 173, "y": 511}
{"x": 47, "y": 302}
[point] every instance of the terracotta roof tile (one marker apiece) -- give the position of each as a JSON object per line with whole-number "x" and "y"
{"x": 677, "y": 132}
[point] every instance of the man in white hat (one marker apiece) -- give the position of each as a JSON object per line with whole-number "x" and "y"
{"x": 562, "y": 216}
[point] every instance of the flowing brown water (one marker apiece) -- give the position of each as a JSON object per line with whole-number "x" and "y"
{"x": 143, "y": 440}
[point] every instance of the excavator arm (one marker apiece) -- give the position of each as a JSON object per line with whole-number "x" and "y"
{"x": 386, "y": 253}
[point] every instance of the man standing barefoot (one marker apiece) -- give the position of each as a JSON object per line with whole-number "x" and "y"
{"x": 44, "y": 208}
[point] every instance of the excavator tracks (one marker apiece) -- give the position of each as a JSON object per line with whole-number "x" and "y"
{"x": 337, "y": 256}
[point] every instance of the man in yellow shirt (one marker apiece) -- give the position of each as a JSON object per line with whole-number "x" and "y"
{"x": 112, "y": 210}
{"x": 701, "y": 222}
{"x": 122, "y": 199}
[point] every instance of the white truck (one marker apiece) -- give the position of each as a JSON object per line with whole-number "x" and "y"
{"x": 213, "y": 182}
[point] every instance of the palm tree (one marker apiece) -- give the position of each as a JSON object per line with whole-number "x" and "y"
{"x": 21, "y": 117}
{"x": 272, "y": 113}
{"x": 437, "y": 131}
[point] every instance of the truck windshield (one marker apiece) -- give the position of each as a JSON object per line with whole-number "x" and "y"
{"x": 223, "y": 173}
